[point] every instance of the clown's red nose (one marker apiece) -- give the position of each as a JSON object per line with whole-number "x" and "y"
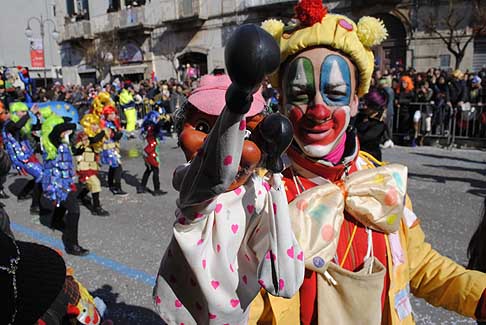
{"x": 318, "y": 112}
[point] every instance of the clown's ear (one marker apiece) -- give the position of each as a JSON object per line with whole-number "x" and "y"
{"x": 353, "y": 105}
{"x": 371, "y": 31}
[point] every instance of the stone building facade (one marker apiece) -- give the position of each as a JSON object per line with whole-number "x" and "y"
{"x": 158, "y": 37}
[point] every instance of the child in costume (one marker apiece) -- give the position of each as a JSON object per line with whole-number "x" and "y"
{"x": 59, "y": 203}
{"x": 88, "y": 145}
{"x": 16, "y": 132}
{"x": 110, "y": 155}
{"x": 364, "y": 248}
{"x": 232, "y": 236}
{"x": 152, "y": 130}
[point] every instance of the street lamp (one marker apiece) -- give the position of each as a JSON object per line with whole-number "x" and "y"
{"x": 55, "y": 34}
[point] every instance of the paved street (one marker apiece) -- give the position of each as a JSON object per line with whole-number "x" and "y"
{"x": 446, "y": 187}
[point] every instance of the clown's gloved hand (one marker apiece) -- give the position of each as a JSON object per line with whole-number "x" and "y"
{"x": 273, "y": 136}
{"x": 250, "y": 54}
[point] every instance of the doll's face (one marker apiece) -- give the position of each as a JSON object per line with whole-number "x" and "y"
{"x": 197, "y": 126}
{"x": 318, "y": 88}
{"x": 111, "y": 117}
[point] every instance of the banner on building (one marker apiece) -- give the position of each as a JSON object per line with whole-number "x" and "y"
{"x": 36, "y": 53}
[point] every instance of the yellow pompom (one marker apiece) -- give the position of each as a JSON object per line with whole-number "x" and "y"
{"x": 371, "y": 31}
{"x": 274, "y": 27}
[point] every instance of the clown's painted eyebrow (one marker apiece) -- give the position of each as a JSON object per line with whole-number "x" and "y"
{"x": 335, "y": 83}
{"x": 301, "y": 73}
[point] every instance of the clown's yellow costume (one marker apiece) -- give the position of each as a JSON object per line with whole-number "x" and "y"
{"x": 363, "y": 247}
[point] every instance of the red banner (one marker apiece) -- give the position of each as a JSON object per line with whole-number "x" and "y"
{"x": 36, "y": 54}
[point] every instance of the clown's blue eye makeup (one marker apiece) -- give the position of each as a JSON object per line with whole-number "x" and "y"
{"x": 335, "y": 86}
{"x": 301, "y": 85}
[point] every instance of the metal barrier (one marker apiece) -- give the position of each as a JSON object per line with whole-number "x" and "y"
{"x": 467, "y": 122}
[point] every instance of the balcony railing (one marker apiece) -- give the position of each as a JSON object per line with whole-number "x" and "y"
{"x": 260, "y": 3}
{"x": 129, "y": 18}
{"x": 184, "y": 10}
{"x": 77, "y": 30}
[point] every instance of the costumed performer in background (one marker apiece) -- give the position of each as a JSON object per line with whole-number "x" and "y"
{"x": 89, "y": 143}
{"x": 152, "y": 131}
{"x": 110, "y": 155}
{"x": 16, "y": 132}
{"x": 59, "y": 204}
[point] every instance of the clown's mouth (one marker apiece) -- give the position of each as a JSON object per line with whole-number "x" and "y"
{"x": 320, "y": 126}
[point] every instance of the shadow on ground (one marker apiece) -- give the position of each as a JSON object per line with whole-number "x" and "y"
{"x": 478, "y": 186}
{"x": 121, "y": 313}
{"x": 442, "y": 157}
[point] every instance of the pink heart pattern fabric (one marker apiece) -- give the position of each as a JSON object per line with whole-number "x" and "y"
{"x": 218, "y": 253}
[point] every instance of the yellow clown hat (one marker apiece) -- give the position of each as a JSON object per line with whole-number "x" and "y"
{"x": 315, "y": 27}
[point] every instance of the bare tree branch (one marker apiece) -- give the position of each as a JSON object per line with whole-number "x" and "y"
{"x": 455, "y": 35}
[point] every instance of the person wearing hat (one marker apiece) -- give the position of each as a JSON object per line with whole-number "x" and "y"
{"x": 89, "y": 143}
{"x": 16, "y": 131}
{"x": 59, "y": 204}
{"x": 31, "y": 278}
{"x": 110, "y": 155}
{"x": 477, "y": 94}
{"x": 364, "y": 248}
{"x": 232, "y": 237}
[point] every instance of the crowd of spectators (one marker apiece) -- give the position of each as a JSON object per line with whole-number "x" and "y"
{"x": 166, "y": 96}
{"x": 435, "y": 102}
{"x": 418, "y": 104}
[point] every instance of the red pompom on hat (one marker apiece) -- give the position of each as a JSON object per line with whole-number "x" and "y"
{"x": 309, "y": 12}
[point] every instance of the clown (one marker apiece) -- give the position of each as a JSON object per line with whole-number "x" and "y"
{"x": 59, "y": 204}
{"x": 110, "y": 155}
{"x": 152, "y": 130}
{"x": 15, "y": 133}
{"x": 88, "y": 145}
{"x": 364, "y": 251}
{"x": 232, "y": 236}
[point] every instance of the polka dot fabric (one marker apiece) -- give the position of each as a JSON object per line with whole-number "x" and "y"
{"x": 375, "y": 197}
{"x": 226, "y": 245}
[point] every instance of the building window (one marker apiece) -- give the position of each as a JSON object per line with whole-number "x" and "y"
{"x": 134, "y": 3}
{"x": 444, "y": 61}
{"x": 114, "y": 5}
{"x": 77, "y": 10}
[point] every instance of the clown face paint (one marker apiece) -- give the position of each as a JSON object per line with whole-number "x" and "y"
{"x": 319, "y": 99}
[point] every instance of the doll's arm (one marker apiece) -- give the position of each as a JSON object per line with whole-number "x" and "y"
{"x": 280, "y": 269}
{"x": 213, "y": 170}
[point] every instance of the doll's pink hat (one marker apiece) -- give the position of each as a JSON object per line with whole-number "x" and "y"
{"x": 209, "y": 96}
